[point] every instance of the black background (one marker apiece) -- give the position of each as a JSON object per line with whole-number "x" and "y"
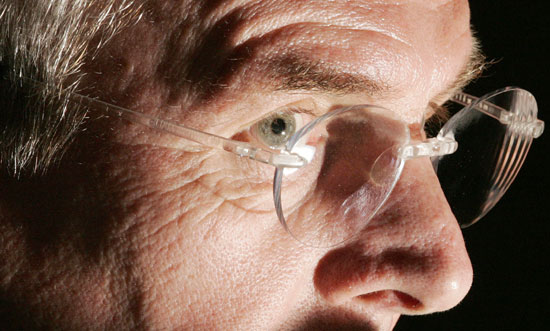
{"x": 510, "y": 247}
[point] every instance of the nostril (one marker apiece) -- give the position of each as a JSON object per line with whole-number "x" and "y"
{"x": 391, "y": 299}
{"x": 408, "y": 301}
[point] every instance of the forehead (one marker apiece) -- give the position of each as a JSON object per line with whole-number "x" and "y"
{"x": 397, "y": 54}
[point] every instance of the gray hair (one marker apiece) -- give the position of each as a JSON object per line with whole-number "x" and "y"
{"x": 48, "y": 41}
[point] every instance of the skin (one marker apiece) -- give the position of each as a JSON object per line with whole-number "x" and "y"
{"x": 126, "y": 233}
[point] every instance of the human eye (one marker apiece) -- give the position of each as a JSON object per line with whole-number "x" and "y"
{"x": 276, "y": 128}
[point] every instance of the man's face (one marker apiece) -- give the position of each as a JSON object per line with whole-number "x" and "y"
{"x": 188, "y": 227}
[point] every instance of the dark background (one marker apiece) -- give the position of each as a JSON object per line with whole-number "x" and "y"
{"x": 510, "y": 247}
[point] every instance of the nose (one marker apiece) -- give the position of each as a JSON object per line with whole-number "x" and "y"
{"x": 410, "y": 259}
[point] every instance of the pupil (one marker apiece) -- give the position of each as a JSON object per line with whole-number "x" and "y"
{"x": 278, "y": 126}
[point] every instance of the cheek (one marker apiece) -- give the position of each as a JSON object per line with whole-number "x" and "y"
{"x": 212, "y": 196}
{"x": 228, "y": 258}
{"x": 243, "y": 183}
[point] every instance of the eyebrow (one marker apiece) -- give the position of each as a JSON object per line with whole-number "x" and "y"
{"x": 294, "y": 72}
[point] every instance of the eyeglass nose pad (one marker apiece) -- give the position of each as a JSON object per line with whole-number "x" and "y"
{"x": 387, "y": 168}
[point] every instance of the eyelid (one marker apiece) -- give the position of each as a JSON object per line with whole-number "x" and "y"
{"x": 305, "y": 106}
{"x": 297, "y": 110}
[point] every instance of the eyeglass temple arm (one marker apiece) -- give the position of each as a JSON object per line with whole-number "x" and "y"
{"x": 534, "y": 128}
{"x": 203, "y": 138}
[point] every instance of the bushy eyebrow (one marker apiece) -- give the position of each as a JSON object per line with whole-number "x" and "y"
{"x": 293, "y": 72}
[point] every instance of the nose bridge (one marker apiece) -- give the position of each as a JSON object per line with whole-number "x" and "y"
{"x": 356, "y": 141}
{"x": 359, "y": 168}
{"x": 412, "y": 249}
{"x": 352, "y": 146}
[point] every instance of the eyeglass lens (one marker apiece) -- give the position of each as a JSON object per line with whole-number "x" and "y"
{"x": 489, "y": 153}
{"x": 353, "y": 167}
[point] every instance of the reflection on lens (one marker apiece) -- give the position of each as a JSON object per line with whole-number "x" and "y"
{"x": 353, "y": 167}
{"x": 489, "y": 155}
